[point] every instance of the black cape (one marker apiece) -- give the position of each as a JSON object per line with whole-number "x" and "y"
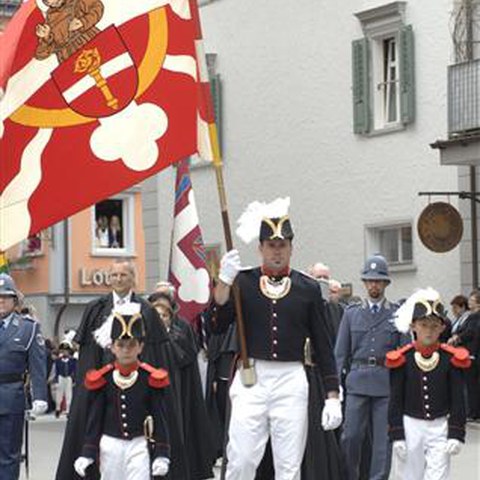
{"x": 92, "y": 356}
{"x": 186, "y": 381}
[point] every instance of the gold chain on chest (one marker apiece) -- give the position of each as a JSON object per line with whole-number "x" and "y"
{"x": 427, "y": 364}
{"x": 275, "y": 289}
{"x": 124, "y": 382}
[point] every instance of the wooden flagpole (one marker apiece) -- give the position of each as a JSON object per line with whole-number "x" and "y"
{"x": 247, "y": 371}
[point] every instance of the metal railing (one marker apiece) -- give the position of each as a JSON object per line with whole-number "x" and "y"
{"x": 464, "y": 98}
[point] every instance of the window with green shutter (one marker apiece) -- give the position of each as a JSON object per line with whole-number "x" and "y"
{"x": 383, "y": 71}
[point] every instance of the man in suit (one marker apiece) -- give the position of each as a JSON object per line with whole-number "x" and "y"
{"x": 22, "y": 351}
{"x": 93, "y": 353}
{"x": 366, "y": 334}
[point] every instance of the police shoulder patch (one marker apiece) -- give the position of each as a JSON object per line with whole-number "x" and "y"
{"x": 39, "y": 339}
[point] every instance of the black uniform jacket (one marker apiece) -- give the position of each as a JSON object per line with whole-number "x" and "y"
{"x": 92, "y": 356}
{"x": 428, "y": 395}
{"x": 277, "y": 329}
{"x": 121, "y": 413}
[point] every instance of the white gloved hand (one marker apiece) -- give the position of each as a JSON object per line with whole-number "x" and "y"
{"x": 332, "y": 414}
{"x": 81, "y": 464}
{"x": 160, "y": 466}
{"x": 341, "y": 394}
{"x": 39, "y": 407}
{"x": 400, "y": 448}
{"x": 453, "y": 446}
{"x": 229, "y": 267}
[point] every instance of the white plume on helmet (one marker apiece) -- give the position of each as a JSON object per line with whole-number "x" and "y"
{"x": 103, "y": 334}
{"x": 249, "y": 222}
{"x": 403, "y": 316}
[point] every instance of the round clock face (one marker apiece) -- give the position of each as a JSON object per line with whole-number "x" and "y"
{"x": 440, "y": 227}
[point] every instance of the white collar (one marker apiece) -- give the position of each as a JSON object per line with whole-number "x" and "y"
{"x": 121, "y": 300}
{"x": 371, "y": 303}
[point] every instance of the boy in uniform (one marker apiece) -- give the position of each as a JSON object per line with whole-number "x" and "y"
{"x": 427, "y": 408}
{"x": 126, "y": 416}
{"x": 65, "y": 366}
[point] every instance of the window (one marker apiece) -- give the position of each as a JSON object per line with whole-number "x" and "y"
{"x": 32, "y": 246}
{"x": 394, "y": 242}
{"x": 383, "y": 71}
{"x": 112, "y": 232}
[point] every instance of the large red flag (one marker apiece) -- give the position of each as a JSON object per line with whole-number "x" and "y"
{"x": 98, "y": 95}
{"x": 188, "y": 268}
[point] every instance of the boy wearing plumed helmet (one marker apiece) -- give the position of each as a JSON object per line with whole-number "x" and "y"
{"x": 427, "y": 409}
{"x": 126, "y": 421}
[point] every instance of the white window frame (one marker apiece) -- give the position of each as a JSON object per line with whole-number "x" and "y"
{"x": 23, "y": 250}
{"x": 128, "y": 223}
{"x": 382, "y": 84}
{"x": 372, "y": 243}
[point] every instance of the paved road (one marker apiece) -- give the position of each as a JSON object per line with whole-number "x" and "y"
{"x": 47, "y": 432}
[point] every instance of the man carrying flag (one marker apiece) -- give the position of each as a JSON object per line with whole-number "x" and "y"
{"x": 282, "y": 309}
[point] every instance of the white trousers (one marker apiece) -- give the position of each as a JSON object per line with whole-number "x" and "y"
{"x": 426, "y": 441}
{"x": 124, "y": 459}
{"x": 276, "y": 406}
{"x": 64, "y": 389}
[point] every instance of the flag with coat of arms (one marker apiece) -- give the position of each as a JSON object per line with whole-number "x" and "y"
{"x": 96, "y": 95}
{"x": 188, "y": 269}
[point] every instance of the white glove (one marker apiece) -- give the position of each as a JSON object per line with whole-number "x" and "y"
{"x": 229, "y": 267}
{"x": 453, "y": 446}
{"x": 81, "y": 464}
{"x": 39, "y": 407}
{"x": 400, "y": 448}
{"x": 341, "y": 394}
{"x": 332, "y": 414}
{"x": 160, "y": 466}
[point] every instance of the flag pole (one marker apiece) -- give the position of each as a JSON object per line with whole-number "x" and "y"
{"x": 247, "y": 371}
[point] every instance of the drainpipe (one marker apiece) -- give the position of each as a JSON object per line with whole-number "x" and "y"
{"x": 473, "y": 215}
{"x": 66, "y": 280}
{"x": 473, "y": 170}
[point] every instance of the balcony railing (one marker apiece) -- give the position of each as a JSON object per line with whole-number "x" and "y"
{"x": 464, "y": 98}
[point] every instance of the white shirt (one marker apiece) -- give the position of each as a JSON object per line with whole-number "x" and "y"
{"x": 117, "y": 300}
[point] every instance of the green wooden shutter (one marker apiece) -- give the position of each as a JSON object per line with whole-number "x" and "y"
{"x": 361, "y": 86}
{"x": 407, "y": 75}
{"x": 216, "y": 89}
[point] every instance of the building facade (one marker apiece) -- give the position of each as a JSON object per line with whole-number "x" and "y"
{"x": 66, "y": 266}
{"x": 335, "y": 105}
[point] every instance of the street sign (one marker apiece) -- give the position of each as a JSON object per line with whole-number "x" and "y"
{"x": 440, "y": 227}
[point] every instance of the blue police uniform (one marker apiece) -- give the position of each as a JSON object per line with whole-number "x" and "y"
{"x": 22, "y": 351}
{"x": 367, "y": 332}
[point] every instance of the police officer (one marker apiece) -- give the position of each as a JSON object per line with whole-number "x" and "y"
{"x": 366, "y": 334}
{"x": 22, "y": 351}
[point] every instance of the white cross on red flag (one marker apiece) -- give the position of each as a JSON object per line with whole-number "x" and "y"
{"x": 98, "y": 95}
{"x": 188, "y": 268}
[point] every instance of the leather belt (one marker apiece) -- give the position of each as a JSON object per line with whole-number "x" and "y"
{"x": 11, "y": 377}
{"x": 369, "y": 362}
